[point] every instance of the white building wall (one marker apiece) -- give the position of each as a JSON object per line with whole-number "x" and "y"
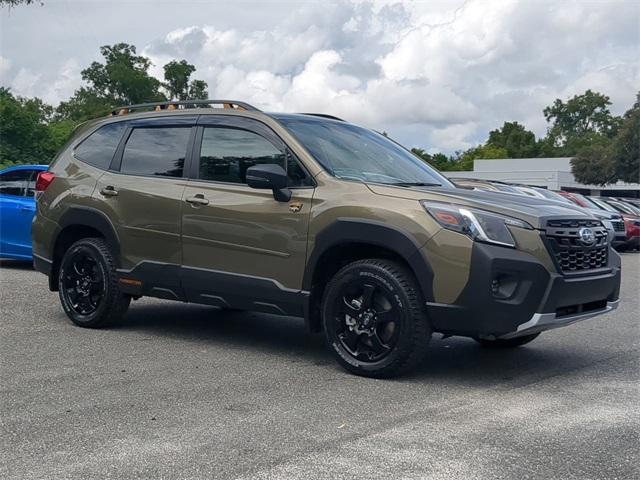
{"x": 551, "y": 173}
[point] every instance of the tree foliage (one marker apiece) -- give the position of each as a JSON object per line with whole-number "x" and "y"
{"x": 515, "y": 139}
{"x": 123, "y": 77}
{"x": 14, "y": 3}
{"x": 28, "y": 133}
{"x": 582, "y": 121}
{"x": 625, "y": 151}
{"x": 593, "y": 165}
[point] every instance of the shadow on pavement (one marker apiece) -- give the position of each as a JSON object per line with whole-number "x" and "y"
{"x": 16, "y": 264}
{"x": 451, "y": 361}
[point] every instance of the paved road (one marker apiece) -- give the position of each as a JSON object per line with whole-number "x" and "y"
{"x": 184, "y": 391}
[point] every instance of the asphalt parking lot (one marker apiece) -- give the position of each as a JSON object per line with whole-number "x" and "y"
{"x": 185, "y": 391}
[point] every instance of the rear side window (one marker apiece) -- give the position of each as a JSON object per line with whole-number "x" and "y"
{"x": 99, "y": 147}
{"x": 14, "y": 183}
{"x": 156, "y": 151}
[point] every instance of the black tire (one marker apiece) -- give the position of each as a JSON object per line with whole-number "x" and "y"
{"x": 390, "y": 308}
{"x": 507, "y": 342}
{"x": 88, "y": 285}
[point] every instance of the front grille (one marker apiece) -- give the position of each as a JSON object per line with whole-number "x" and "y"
{"x": 618, "y": 226}
{"x": 571, "y": 254}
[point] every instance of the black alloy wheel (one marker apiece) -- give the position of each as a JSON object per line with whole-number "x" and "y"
{"x": 374, "y": 318}
{"x": 88, "y": 285}
{"x": 83, "y": 283}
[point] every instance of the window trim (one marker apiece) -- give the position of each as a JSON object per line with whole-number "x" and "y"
{"x": 248, "y": 125}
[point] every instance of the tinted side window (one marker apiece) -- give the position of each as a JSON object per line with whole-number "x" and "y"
{"x": 156, "y": 151}
{"x": 98, "y": 148}
{"x": 14, "y": 183}
{"x": 226, "y": 153}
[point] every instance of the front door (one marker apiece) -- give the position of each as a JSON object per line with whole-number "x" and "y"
{"x": 241, "y": 247}
{"x": 142, "y": 195}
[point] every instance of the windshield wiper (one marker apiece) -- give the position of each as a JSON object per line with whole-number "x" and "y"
{"x": 415, "y": 184}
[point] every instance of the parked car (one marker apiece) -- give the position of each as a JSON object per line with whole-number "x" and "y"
{"x": 17, "y": 207}
{"x": 487, "y": 185}
{"x": 304, "y": 215}
{"x": 609, "y": 216}
{"x": 631, "y": 217}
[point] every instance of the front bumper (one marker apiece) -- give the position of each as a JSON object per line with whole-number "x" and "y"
{"x": 547, "y": 321}
{"x": 528, "y": 298}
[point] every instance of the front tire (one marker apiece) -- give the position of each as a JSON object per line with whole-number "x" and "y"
{"x": 88, "y": 285}
{"x": 374, "y": 318}
{"x": 507, "y": 342}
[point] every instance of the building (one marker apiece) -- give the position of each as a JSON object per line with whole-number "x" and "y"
{"x": 551, "y": 173}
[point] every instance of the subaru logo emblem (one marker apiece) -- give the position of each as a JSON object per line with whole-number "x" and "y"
{"x": 587, "y": 237}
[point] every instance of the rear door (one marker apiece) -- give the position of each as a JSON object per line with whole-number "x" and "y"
{"x": 241, "y": 247}
{"x": 143, "y": 193}
{"x": 17, "y": 207}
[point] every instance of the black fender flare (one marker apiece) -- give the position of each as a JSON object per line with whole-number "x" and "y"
{"x": 371, "y": 232}
{"x": 87, "y": 217}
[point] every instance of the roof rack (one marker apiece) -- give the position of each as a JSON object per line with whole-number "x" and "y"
{"x": 324, "y": 115}
{"x": 183, "y": 104}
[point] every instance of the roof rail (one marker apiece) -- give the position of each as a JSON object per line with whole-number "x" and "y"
{"x": 324, "y": 115}
{"x": 183, "y": 104}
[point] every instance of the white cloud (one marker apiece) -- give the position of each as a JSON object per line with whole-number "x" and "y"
{"x": 5, "y": 66}
{"x": 438, "y": 75}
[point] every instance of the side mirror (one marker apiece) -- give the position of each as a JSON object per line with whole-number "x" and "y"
{"x": 270, "y": 176}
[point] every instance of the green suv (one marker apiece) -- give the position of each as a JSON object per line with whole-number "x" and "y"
{"x": 218, "y": 203}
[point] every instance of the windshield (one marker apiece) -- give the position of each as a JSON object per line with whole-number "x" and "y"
{"x": 603, "y": 205}
{"x": 353, "y": 153}
{"x": 624, "y": 208}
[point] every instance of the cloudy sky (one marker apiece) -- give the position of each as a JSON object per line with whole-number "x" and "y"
{"x": 434, "y": 74}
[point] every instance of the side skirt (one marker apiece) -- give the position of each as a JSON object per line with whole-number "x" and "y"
{"x": 212, "y": 287}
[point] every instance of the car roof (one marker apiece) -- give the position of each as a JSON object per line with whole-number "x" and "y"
{"x": 24, "y": 167}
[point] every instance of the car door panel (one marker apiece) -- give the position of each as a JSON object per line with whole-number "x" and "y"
{"x": 16, "y": 215}
{"x": 240, "y": 246}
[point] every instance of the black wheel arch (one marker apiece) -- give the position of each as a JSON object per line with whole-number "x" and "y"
{"x": 350, "y": 239}
{"x": 76, "y": 223}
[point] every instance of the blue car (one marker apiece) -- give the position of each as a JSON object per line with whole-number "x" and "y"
{"x": 17, "y": 208}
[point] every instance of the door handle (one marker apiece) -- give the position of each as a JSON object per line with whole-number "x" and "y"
{"x": 197, "y": 199}
{"x": 109, "y": 191}
{"x": 27, "y": 209}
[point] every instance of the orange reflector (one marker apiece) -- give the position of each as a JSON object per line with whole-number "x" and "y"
{"x": 447, "y": 218}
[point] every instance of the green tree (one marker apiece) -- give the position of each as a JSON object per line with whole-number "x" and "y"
{"x": 24, "y": 131}
{"x": 123, "y": 77}
{"x": 178, "y": 83}
{"x": 515, "y": 139}
{"x": 594, "y": 165}
{"x": 625, "y": 151}
{"x": 176, "y": 76}
{"x": 198, "y": 90}
{"x": 582, "y": 121}
{"x": 85, "y": 104}
{"x": 463, "y": 161}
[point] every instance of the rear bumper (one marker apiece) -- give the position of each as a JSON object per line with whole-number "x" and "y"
{"x": 528, "y": 298}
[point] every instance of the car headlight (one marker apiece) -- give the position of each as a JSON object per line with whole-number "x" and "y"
{"x": 480, "y": 225}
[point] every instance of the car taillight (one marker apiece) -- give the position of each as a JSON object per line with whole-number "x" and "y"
{"x": 44, "y": 180}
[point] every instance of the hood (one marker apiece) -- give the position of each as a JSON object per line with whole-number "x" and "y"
{"x": 533, "y": 210}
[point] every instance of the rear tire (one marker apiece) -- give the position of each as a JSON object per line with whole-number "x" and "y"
{"x": 507, "y": 342}
{"x": 88, "y": 285}
{"x": 374, "y": 318}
